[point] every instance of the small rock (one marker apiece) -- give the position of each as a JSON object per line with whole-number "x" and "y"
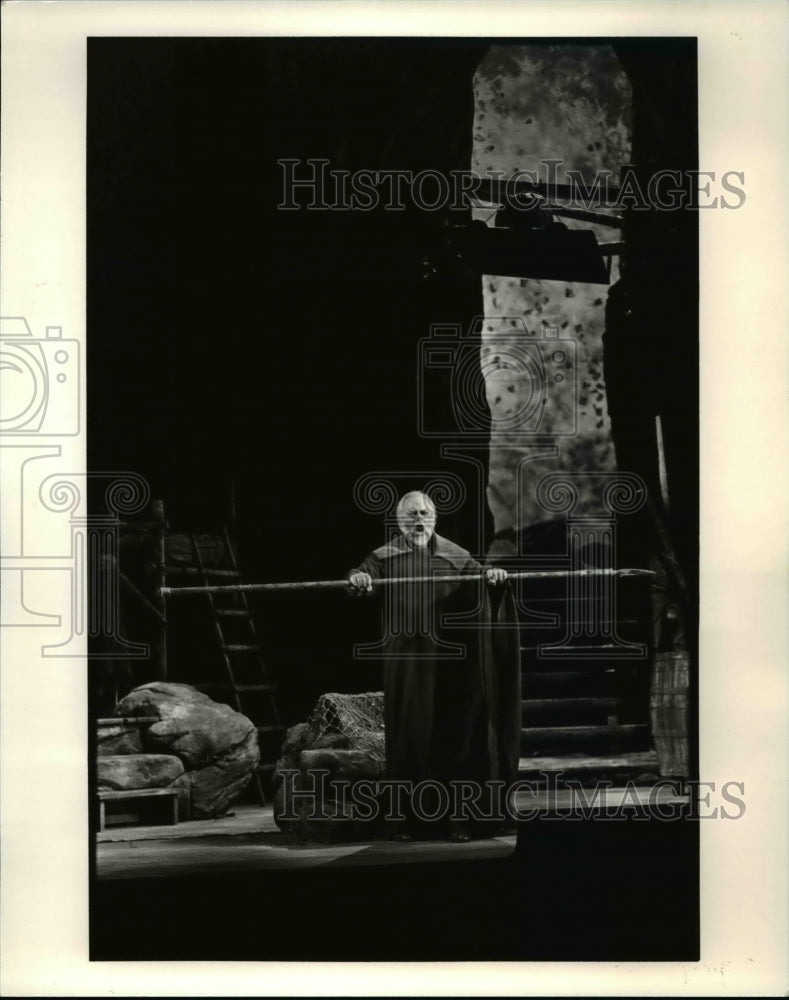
{"x": 112, "y": 741}
{"x": 347, "y": 764}
{"x": 296, "y": 739}
{"x": 142, "y": 770}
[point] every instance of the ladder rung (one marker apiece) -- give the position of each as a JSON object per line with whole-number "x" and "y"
{"x": 229, "y": 689}
{"x": 203, "y": 571}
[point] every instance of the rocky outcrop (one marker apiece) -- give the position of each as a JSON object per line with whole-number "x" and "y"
{"x": 216, "y": 745}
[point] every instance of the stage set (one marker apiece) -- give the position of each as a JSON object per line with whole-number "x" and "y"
{"x": 326, "y": 276}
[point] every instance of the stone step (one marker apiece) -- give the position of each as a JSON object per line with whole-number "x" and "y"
{"x": 640, "y": 767}
{"x": 533, "y": 633}
{"x": 580, "y": 661}
{"x": 587, "y": 739}
{"x": 568, "y": 711}
{"x": 567, "y": 683}
{"x": 607, "y": 654}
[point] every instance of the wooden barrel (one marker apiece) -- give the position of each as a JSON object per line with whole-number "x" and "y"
{"x": 668, "y": 712}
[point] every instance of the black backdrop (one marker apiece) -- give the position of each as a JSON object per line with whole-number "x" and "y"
{"x": 232, "y": 342}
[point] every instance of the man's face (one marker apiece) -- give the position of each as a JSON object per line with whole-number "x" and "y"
{"x": 416, "y": 519}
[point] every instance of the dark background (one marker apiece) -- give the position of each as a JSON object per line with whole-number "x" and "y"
{"x": 232, "y": 343}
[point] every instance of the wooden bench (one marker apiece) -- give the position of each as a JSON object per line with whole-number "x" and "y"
{"x": 136, "y": 795}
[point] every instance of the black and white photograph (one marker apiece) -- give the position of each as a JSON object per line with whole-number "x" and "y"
{"x": 381, "y": 460}
{"x": 377, "y": 309}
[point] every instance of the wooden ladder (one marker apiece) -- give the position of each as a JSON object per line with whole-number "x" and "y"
{"x": 244, "y": 642}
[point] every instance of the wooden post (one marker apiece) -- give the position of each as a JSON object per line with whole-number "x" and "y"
{"x": 159, "y": 645}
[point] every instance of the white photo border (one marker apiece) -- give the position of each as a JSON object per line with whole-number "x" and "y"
{"x": 744, "y": 126}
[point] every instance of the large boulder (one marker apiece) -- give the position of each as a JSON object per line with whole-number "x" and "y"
{"x": 322, "y": 761}
{"x": 217, "y": 745}
{"x": 141, "y": 770}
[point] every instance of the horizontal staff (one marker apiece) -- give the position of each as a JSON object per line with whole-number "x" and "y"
{"x": 550, "y": 574}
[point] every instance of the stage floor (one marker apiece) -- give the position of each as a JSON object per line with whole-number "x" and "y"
{"x": 249, "y": 840}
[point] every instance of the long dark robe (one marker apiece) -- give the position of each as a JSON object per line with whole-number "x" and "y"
{"x": 451, "y": 689}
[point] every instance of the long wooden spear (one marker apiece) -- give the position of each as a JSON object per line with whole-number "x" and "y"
{"x": 299, "y": 585}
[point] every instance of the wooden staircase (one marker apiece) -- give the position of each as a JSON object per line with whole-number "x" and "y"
{"x": 585, "y": 708}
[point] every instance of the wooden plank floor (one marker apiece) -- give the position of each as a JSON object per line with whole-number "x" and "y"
{"x": 241, "y": 819}
{"x": 249, "y": 840}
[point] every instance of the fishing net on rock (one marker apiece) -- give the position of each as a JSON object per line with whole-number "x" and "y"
{"x": 350, "y": 721}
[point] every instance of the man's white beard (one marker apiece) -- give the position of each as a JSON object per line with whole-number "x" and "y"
{"x": 419, "y": 539}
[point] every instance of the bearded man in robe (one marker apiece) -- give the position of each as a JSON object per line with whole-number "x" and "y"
{"x": 451, "y": 687}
